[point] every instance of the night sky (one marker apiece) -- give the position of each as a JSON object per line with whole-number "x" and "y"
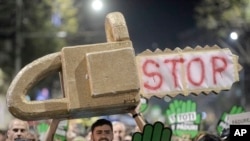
{"x": 153, "y": 23}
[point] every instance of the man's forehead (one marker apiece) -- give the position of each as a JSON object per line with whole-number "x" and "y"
{"x": 103, "y": 128}
{"x": 19, "y": 124}
{"x": 119, "y": 127}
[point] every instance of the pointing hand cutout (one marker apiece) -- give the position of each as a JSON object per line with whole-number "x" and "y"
{"x": 156, "y": 132}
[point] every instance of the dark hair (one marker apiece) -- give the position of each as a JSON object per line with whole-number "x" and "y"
{"x": 101, "y": 122}
{"x": 207, "y": 137}
{"x": 19, "y": 139}
{"x": 225, "y": 135}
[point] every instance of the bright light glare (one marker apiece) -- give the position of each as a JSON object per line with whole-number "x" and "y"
{"x": 234, "y": 35}
{"x": 97, "y": 5}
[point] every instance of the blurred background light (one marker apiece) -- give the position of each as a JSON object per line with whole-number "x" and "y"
{"x": 234, "y": 35}
{"x": 97, "y": 5}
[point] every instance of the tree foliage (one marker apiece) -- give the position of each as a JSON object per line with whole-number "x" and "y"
{"x": 44, "y": 24}
{"x": 30, "y": 29}
{"x": 222, "y": 17}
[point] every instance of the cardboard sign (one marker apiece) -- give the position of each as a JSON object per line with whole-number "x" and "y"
{"x": 186, "y": 71}
{"x": 97, "y": 79}
{"x": 242, "y": 118}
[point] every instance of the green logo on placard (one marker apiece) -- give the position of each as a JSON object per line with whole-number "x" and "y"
{"x": 223, "y": 122}
{"x": 183, "y": 118}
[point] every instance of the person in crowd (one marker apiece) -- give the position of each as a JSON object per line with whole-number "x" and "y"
{"x": 75, "y": 130}
{"x": 31, "y": 136}
{"x": 79, "y": 138}
{"x": 128, "y": 138}
{"x": 88, "y": 136}
{"x": 18, "y": 129}
{"x": 119, "y": 131}
{"x": 2, "y": 135}
{"x": 102, "y": 129}
{"x": 207, "y": 137}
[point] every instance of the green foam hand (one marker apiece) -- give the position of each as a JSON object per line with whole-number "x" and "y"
{"x": 188, "y": 120}
{"x": 223, "y": 122}
{"x": 156, "y": 132}
{"x": 183, "y": 118}
{"x": 171, "y": 112}
{"x": 187, "y": 113}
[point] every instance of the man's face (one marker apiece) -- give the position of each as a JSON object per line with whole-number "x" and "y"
{"x": 18, "y": 129}
{"x": 102, "y": 133}
{"x": 119, "y": 132}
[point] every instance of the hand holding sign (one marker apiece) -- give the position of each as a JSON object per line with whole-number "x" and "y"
{"x": 156, "y": 132}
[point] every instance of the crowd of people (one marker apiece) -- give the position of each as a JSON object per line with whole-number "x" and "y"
{"x": 101, "y": 130}
{"x": 18, "y": 130}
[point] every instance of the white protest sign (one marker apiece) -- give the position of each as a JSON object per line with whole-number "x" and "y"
{"x": 186, "y": 71}
{"x": 242, "y": 118}
{"x": 186, "y": 117}
{"x": 183, "y": 126}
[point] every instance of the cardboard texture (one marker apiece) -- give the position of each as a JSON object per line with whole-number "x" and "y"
{"x": 97, "y": 79}
{"x": 107, "y": 78}
{"x": 185, "y": 71}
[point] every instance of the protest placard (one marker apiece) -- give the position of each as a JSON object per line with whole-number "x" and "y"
{"x": 186, "y": 71}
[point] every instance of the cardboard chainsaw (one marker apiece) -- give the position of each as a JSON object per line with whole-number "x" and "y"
{"x": 107, "y": 78}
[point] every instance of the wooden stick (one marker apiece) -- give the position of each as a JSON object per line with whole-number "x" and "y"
{"x": 52, "y": 129}
{"x": 54, "y": 123}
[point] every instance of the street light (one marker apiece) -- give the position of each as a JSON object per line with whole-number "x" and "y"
{"x": 234, "y": 35}
{"x": 97, "y": 5}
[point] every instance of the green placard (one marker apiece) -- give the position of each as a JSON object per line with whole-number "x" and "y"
{"x": 223, "y": 122}
{"x": 183, "y": 118}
